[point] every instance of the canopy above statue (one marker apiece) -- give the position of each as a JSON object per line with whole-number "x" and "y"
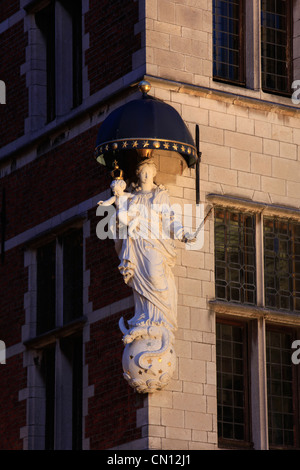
{"x": 144, "y": 124}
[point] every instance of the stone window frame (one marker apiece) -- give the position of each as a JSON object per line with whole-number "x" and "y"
{"x": 55, "y": 339}
{"x": 288, "y": 47}
{"x": 252, "y": 60}
{"x": 259, "y": 317}
{"x": 35, "y": 66}
{"x": 238, "y": 64}
{"x": 245, "y": 406}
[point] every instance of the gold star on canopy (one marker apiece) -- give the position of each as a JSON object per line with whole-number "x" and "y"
{"x": 146, "y": 144}
{"x": 175, "y": 146}
{"x": 135, "y": 144}
{"x": 124, "y": 144}
{"x": 166, "y": 145}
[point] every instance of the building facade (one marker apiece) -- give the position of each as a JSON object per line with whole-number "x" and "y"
{"x": 229, "y": 67}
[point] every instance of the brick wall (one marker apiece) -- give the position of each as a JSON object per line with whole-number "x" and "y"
{"x": 8, "y": 8}
{"x": 112, "y": 411}
{"x": 112, "y": 40}
{"x": 12, "y": 55}
{"x": 58, "y": 180}
{"x": 14, "y": 284}
{"x": 13, "y": 412}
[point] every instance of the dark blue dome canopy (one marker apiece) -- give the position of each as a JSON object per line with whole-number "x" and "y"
{"x": 146, "y": 123}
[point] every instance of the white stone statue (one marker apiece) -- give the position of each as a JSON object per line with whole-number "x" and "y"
{"x": 147, "y": 256}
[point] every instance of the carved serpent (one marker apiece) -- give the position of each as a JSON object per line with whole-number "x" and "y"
{"x": 152, "y": 331}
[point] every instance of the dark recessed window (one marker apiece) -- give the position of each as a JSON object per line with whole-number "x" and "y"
{"x": 235, "y": 265}
{"x": 228, "y": 41}
{"x": 232, "y": 383}
{"x": 71, "y": 380}
{"x": 283, "y": 390}
{"x": 282, "y": 264}
{"x": 60, "y": 23}
{"x": 74, "y": 8}
{"x": 45, "y": 20}
{"x": 276, "y": 46}
{"x": 59, "y": 290}
{"x": 59, "y": 281}
{"x": 46, "y": 287}
{"x": 72, "y": 275}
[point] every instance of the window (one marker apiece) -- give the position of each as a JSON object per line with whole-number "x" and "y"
{"x": 228, "y": 41}
{"x": 58, "y": 342}
{"x": 282, "y": 264}
{"x": 59, "y": 302}
{"x": 276, "y": 38}
{"x": 232, "y": 384}
{"x": 235, "y": 260}
{"x": 63, "y": 394}
{"x": 235, "y": 271}
{"x": 283, "y": 390}
{"x": 253, "y": 44}
{"x": 60, "y": 53}
{"x": 257, "y": 293}
{"x": 45, "y": 21}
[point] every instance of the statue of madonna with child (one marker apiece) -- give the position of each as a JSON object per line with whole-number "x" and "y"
{"x": 147, "y": 255}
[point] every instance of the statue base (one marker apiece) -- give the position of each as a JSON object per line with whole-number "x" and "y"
{"x": 149, "y": 358}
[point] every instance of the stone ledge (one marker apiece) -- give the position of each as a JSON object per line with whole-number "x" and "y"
{"x": 253, "y": 311}
{"x": 254, "y": 102}
{"x": 253, "y": 206}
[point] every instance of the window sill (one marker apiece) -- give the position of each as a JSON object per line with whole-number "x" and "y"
{"x": 50, "y": 337}
{"x": 231, "y": 444}
{"x": 242, "y": 204}
{"x": 253, "y": 311}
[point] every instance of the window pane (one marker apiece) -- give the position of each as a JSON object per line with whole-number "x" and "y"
{"x": 72, "y": 350}
{"x": 280, "y": 389}
{"x": 46, "y": 296}
{"x": 45, "y": 20}
{"x": 276, "y": 45}
{"x": 228, "y": 40}
{"x": 72, "y": 275}
{"x": 281, "y": 264}
{"x": 235, "y": 271}
{"x": 231, "y": 395}
{"x": 48, "y": 373}
{"x": 74, "y": 8}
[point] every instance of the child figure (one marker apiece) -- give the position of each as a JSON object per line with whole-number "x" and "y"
{"x": 118, "y": 187}
{"x": 121, "y": 199}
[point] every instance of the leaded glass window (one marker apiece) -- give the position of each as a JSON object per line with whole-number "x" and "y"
{"x": 282, "y": 264}
{"x": 276, "y": 46}
{"x": 228, "y": 40}
{"x": 232, "y": 387}
{"x": 282, "y": 390}
{"x": 235, "y": 265}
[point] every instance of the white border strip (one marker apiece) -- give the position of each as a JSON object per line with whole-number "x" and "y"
{"x": 56, "y": 221}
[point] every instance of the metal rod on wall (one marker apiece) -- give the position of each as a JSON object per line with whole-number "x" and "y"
{"x": 3, "y": 225}
{"x": 198, "y": 165}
